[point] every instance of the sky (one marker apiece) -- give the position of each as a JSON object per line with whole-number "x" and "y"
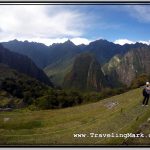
{"x": 80, "y": 23}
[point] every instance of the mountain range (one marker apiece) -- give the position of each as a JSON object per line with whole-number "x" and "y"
{"x": 94, "y": 66}
{"x": 22, "y": 64}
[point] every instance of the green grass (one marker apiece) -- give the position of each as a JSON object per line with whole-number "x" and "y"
{"x": 56, "y": 127}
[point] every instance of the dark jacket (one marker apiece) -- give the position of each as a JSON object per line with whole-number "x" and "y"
{"x": 145, "y": 91}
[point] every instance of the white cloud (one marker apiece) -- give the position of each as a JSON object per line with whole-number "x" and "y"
{"x": 40, "y": 22}
{"x": 123, "y": 41}
{"x": 126, "y": 41}
{"x": 79, "y": 41}
{"x": 145, "y": 42}
{"x": 140, "y": 12}
{"x": 48, "y": 42}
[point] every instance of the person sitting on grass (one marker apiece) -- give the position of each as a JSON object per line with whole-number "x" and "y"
{"x": 146, "y": 94}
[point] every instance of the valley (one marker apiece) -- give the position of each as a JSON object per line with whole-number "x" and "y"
{"x": 72, "y": 91}
{"x": 74, "y": 74}
{"x": 57, "y": 60}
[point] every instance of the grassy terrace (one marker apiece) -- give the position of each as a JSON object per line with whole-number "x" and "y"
{"x": 118, "y": 114}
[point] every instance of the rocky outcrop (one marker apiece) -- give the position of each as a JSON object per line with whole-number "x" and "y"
{"x": 86, "y": 74}
{"x": 132, "y": 64}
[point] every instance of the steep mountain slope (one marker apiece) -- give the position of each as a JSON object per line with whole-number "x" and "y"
{"x": 41, "y": 54}
{"x": 62, "y": 51}
{"x": 119, "y": 114}
{"x": 130, "y": 65}
{"x": 57, "y": 71}
{"x": 6, "y": 99}
{"x": 22, "y": 64}
{"x": 86, "y": 74}
{"x": 55, "y": 59}
{"x": 61, "y": 60}
{"x": 103, "y": 50}
{"x": 112, "y": 64}
{"x": 36, "y": 51}
{"x": 18, "y": 90}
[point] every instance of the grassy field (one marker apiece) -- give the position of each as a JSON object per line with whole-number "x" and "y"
{"x": 118, "y": 114}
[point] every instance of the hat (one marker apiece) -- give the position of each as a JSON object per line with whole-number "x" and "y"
{"x": 147, "y": 83}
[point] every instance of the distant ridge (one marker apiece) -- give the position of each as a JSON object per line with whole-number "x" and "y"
{"x": 22, "y": 64}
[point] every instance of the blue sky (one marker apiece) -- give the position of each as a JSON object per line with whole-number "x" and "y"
{"x": 114, "y": 22}
{"x": 81, "y": 23}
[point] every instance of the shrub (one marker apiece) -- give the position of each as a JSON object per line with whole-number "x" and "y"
{"x": 139, "y": 81}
